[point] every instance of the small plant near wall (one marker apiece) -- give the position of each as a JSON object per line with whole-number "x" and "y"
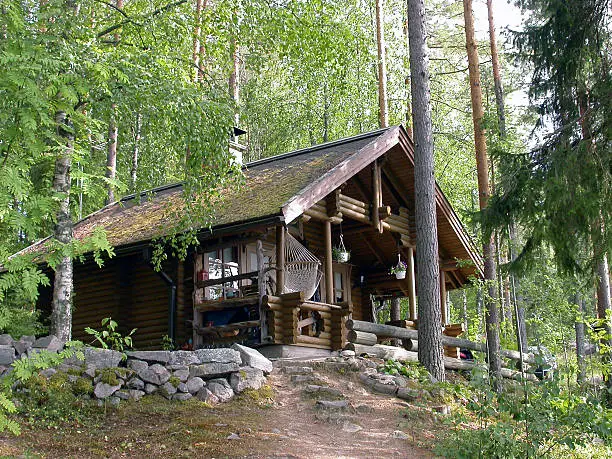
{"x": 167, "y": 343}
{"x": 109, "y": 337}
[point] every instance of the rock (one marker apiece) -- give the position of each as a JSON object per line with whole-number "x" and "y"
{"x": 136, "y": 394}
{"x": 400, "y": 381}
{"x": 103, "y": 390}
{"x": 213, "y": 369}
{"x": 183, "y": 358}
{"x": 50, "y": 343}
{"x": 399, "y": 434}
{"x": 7, "y": 355}
{"x": 253, "y": 358}
{"x": 6, "y": 340}
{"x": 207, "y": 396}
{"x": 182, "y": 375}
{"x": 335, "y": 405}
{"x": 182, "y": 387}
{"x": 233, "y": 436}
{"x": 102, "y": 358}
{"x": 167, "y": 390}
{"x": 194, "y": 385}
{"x": 150, "y": 388}
{"x": 322, "y": 390}
{"x": 347, "y": 353}
{"x": 72, "y": 378}
{"x": 408, "y": 394}
{"x": 389, "y": 389}
{"x": 221, "y": 389}
{"x": 27, "y": 339}
{"x": 137, "y": 365}
{"x": 90, "y": 372}
{"x": 221, "y": 355}
{"x": 22, "y": 347}
{"x": 297, "y": 370}
{"x": 48, "y": 372}
{"x": 442, "y": 409}
{"x": 150, "y": 356}
{"x": 182, "y": 397}
{"x": 135, "y": 383}
{"x": 302, "y": 379}
{"x": 114, "y": 401}
{"x": 247, "y": 378}
{"x": 155, "y": 374}
{"x": 363, "y": 409}
{"x": 348, "y": 426}
{"x": 122, "y": 394}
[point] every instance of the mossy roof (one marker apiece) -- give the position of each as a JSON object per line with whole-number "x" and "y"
{"x": 268, "y": 186}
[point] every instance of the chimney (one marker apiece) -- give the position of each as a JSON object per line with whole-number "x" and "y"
{"x": 237, "y": 149}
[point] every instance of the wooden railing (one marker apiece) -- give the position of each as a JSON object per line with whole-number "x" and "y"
{"x": 294, "y": 320}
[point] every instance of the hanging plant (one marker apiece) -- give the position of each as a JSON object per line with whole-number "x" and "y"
{"x": 399, "y": 269}
{"x": 340, "y": 252}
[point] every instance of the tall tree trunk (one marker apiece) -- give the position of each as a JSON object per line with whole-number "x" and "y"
{"x": 197, "y": 32}
{"x": 383, "y": 113}
{"x": 521, "y": 328}
{"x": 604, "y": 313}
{"x": 234, "y": 79}
{"x": 135, "y": 152}
{"x": 482, "y": 164}
{"x": 428, "y": 269}
{"x": 407, "y": 83}
{"x": 111, "y": 157}
{"x": 497, "y": 81}
{"x": 464, "y": 311}
{"x": 580, "y": 339}
{"x": 61, "y": 308}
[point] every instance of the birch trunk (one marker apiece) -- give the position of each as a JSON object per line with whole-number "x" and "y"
{"x": 135, "y": 152}
{"x": 579, "y": 326}
{"x": 383, "y": 114}
{"x": 428, "y": 270}
{"x": 61, "y": 307}
{"x": 482, "y": 164}
{"x": 111, "y": 157}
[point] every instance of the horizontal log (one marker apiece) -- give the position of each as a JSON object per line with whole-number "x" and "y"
{"x": 363, "y": 211}
{"x": 229, "y": 327}
{"x": 315, "y": 306}
{"x": 388, "y": 331}
{"x": 360, "y": 217}
{"x": 355, "y": 202}
{"x": 358, "y": 337}
{"x": 304, "y": 339}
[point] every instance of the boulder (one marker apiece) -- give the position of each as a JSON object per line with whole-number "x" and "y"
{"x": 150, "y": 388}
{"x": 6, "y": 340}
{"x": 136, "y": 394}
{"x": 182, "y": 375}
{"x": 213, "y": 369}
{"x": 135, "y": 383}
{"x": 50, "y": 343}
{"x": 207, "y": 396}
{"x": 155, "y": 374}
{"x": 221, "y": 389}
{"x": 333, "y": 405}
{"x": 28, "y": 339}
{"x": 90, "y": 372}
{"x": 347, "y": 353}
{"x": 182, "y": 387}
{"x": 150, "y": 356}
{"x": 183, "y": 358}
{"x": 182, "y": 397}
{"x": 221, "y": 355}
{"x": 137, "y": 365}
{"x": 103, "y": 390}
{"x": 122, "y": 394}
{"x": 97, "y": 358}
{"x": 167, "y": 390}
{"x": 253, "y": 358}
{"x": 194, "y": 385}
{"x": 408, "y": 394}
{"x": 7, "y": 354}
{"x": 22, "y": 347}
{"x": 247, "y": 378}
{"x": 48, "y": 372}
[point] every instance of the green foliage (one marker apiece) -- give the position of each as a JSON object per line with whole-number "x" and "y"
{"x": 411, "y": 370}
{"x": 8, "y": 407}
{"x": 110, "y": 337}
{"x": 174, "y": 381}
{"x": 108, "y": 376}
{"x": 167, "y": 344}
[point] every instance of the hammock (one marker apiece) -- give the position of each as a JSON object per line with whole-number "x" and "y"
{"x": 302, "y": 273}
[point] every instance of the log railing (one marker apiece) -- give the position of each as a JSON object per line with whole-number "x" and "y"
{"x": 294, "y": 320}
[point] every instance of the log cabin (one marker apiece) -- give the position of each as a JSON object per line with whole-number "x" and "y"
{"x": 264, "y": 274}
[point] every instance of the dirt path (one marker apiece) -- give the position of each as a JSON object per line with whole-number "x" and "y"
{"x": 371, "y": 426}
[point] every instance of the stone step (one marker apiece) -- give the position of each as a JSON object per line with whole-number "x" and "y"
{"x": 297, "y": 370}
{"x": 323, "y": 390}
{"x": 300, "y": 379}
{"x": 333, "y": 405}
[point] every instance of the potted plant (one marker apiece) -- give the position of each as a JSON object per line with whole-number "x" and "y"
{"x": 341, "y": 254}
{"x": 399, "y": 270}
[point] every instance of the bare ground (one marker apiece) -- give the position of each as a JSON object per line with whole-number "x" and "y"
{"x": 285, "y": 425}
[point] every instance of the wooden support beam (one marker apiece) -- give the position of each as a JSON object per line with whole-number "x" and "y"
{"x": 410, "y": 276}
{"x": 261, "y": 283}
{"x": 443, "y": 297}
{"x": 329, "y": 275}
{"x": 280, "y": 259}
{"x": 332, "y": 203}
{"x": 376, "y": 196}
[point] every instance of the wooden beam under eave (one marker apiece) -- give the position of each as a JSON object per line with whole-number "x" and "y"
{"x": 329, "y": 274}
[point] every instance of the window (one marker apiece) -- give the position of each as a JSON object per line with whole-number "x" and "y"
{"x": 222, "y": 263}
{"x": 342, "y": 283}
{"x": 338, "y": 287}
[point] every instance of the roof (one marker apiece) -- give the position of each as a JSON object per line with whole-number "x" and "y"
{"x": 281, "y": 187}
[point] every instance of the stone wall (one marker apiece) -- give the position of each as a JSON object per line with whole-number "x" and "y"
{"x": 211, "y": 375}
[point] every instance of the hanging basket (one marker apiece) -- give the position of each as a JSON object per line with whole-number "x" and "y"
{"x": 340, "y": 253}
{"x": 399, "y": 270}
{"x": 400, "y": 275}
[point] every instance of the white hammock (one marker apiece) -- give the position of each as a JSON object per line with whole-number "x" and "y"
{"x": 302, "y": 273}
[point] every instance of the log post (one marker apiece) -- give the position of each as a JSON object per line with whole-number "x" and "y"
{"x": 376, "y": 196}
{"x": 411, "y": 285}
{"x": 329, "y": 274}
{"x": 395, "y": 313}
{"x": 443, "y": 297}
{"x": 280, "y": 259}
{"x": 261, "y": 283}
{"x": 197, "y": 297}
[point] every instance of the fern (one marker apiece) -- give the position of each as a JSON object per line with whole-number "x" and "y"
{"x": 7, "y": 406}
